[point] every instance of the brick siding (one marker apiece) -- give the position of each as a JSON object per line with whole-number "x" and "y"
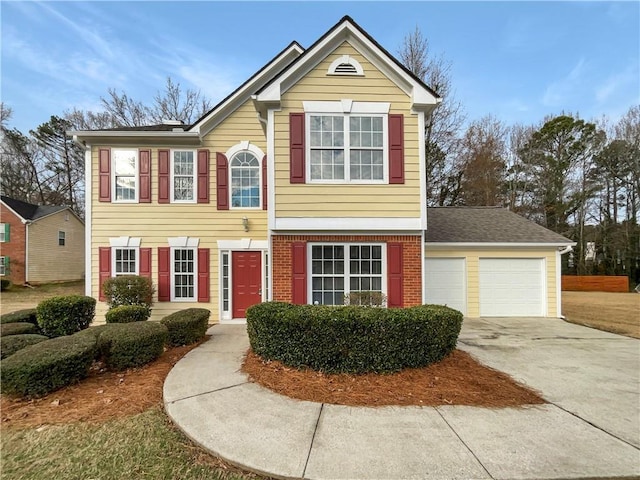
{"x": 15, "y": 248}
{"x": 412, "y": 261}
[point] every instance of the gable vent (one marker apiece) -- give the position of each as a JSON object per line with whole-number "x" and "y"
{"x": 345, "y": 68}
{"x": 345, "y": 65}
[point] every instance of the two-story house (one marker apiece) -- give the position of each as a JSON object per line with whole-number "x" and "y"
{"x": 306, "y": 183}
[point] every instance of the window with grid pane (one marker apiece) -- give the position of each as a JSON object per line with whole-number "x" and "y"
{"x": 245, "y": 181}
{"x": 346, "y": 147}
{"x": 183, "y": 176}
{"x": 125, "y": 261}
{"x": 225, "y": 281}
{"x": 184, "y": 273}
{"x": 3, "y": 266}
{"x": 338, "y": 270}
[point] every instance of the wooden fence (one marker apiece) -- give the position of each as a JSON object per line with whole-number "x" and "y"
{"x": 595, "y": 283}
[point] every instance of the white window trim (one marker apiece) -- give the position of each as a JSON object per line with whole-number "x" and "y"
{"x": 173, "y": 273}
{"x": 3, "y": 229}
{"x": 183, "y": 242}
{"x": 346, "y": 108}
{"x": 114, "y": 273}
{"x": 347, "y": 266}
{"x": 124, "y": 242}
{"x": 246, "y": 146}
{"x": 348, "y": 60}
{"x": 136, "y": 175}
{"x": 3, "y": 266}
{"x": 195, "y": 176}
{"x": 62, "y": 237}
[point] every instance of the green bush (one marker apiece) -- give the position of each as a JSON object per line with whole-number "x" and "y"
{"x": 128, "y": 314}
{"x": 47, "y": 366}
{"x": 128, "y": 290}
{"x": 4, "y": 284}
{"x": 186, "y": 326}
{"x": 11, "y": 344}
{"x": 352, "y": 339}
{"x": 18, "y": 328}
{"x": 367, "y": 298}
{"x": 27, "y": 315}
{"x": 65, "y": 315}
{"x": 128, "y": 345}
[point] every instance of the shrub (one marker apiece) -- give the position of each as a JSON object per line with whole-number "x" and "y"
{"x": 47, "y": 366}
{"x": 366, "y": 298}
{"x": 352, "y": 339}
{"x": 17, "y": 328}
{"x": 128, "y": 345}
{"x": 186, "y": 326}
{"x": 128, "y": 290}
{"x": 11, "y": 344}
{"x": 27, "y": 315}
{"x": 4, "y": 284}
{"x": 128, "y": 313}
{"x": 65, "y": 315}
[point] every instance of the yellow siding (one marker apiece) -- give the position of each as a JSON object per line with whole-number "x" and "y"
{"x": 473, "y": 256}
{"x": 154, "y": 222}
{"x": 48, "y": 261}
{"x": 352, "y": 200}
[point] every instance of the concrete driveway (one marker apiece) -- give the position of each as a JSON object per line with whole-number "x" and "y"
{"x": 589, "y": 373}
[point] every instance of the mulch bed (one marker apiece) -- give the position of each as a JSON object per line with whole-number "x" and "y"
{"x": 459, "y": 379}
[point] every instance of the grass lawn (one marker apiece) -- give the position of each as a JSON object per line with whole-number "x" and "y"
{"x": 144, "y": 446}
{"x": 19, "y": 297}
{"x": 612, "y": 312}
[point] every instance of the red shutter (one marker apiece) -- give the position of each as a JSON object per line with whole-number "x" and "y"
{"x": 104, "y": 269}
{"x": 145, "y": 175}
{"x": 163, "y": 176}
{"x": 296, "y": 148}
{"x": 222, "y": 181}
{"x": 264, "y": 182}
{"x": 203, "y": 275}
{"x": 203, "y": 176}
{"x": 299, "y": 273}
{"x": 164, "y": 274}
{"x": 396, "y": 148}
{"x": 394, "y": 275}
{"x": 104, "y": 171}
{"x": 145, "y": 262}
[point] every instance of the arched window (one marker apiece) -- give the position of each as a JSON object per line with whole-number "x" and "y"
{"x": 245, "y": 180}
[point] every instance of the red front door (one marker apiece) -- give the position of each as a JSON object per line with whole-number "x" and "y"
{"x": 246, "y": 271}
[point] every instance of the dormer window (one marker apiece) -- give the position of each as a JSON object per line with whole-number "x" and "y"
{"x": 345, "y": 65}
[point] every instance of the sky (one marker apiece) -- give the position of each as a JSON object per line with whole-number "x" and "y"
{"x": 517, "y": 61}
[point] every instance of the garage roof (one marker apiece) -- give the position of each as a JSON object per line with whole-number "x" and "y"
{"x": 486, "y": 225}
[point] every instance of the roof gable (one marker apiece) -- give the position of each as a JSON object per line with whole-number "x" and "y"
{"x": 490, "y": 225}
{"x": 346, "y": 30}
{"x": 30, "y": 212}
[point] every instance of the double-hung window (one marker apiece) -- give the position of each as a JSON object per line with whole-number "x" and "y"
{"x": 4, "y": 232}
{"x": 183, "y": 173}
{"x": 347, "y": 147}
{"x": 125, "y": 175}
{"x": 338, "y": 270}
{"x": 62, "y": 238}
{"x": 125, "y": 261}
{"x": 183, "y": 273}
{"x": 3, "y": 265}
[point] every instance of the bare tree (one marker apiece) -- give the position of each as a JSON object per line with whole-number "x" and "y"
{"x": 443, "y": 127}
{"x": 88, "y": 120}
{"x": 174, "y": 104}
{"x": 125, "y": 111}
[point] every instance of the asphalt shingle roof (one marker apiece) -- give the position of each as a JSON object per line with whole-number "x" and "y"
{"x": 29, "y": 211}
{"x": 485, "y": 225}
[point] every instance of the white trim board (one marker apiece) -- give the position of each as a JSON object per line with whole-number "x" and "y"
{"x": 347, "y": 223}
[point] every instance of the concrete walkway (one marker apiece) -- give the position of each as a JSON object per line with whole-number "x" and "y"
{"x": 590, "y": 428}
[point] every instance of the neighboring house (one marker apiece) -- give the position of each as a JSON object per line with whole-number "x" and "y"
{"x": 306, "y": 183}
{"x": 40, "y": 244}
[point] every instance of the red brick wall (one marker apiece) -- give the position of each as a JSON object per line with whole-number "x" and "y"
{"x": 412, "y": 261}
{"x": 15, "y": 247}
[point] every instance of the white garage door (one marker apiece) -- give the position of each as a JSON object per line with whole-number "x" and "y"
{"x": 512, "y": 287}
{"x": 445, "y": 282}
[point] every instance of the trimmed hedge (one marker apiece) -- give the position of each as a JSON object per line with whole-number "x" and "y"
{"x": 352, "y": 339}
{"x": 128, "y": 345}
{"x": 186, "y": 326}
{"x": 65, "y": 315}
{"x": 128, "y": 290}
{"x": 28, "y": 315}
{"x": 47, "y": 366}
{"x": 128, "y": 314}
{"x": 11, "y": 344}
{"x": 18, "y": 328}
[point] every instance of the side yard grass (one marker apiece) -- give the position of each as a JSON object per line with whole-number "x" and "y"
{"x": 611, "y": 312}
{"x": 19, "y": 297}
{"x": 144, "y": 446}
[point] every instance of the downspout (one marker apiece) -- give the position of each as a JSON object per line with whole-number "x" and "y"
{"x": 559, "y": 254}
{"x": 26, "y": 251}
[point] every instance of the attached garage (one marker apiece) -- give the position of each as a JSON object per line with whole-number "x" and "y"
{"x": 512, "y": 287}
{"x": 489, "y": 262}
{"x": 445, "y": 282}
